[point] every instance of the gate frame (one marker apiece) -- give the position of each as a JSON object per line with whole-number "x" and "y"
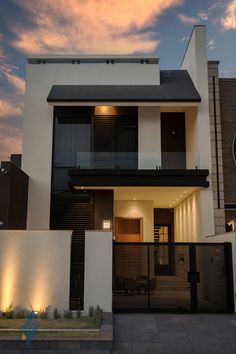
{"x": 193, "y": 276}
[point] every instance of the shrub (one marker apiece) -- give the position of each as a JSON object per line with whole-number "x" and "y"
{"x": 67, "y": 314}
{"x": 56, "y": 314}
{"x": 42, "y": 314}
{"x": 21, "y": 313}
{"x": 9, "y": 312}
{"x": 98, "y": 316}
{"x": 91, "y": 311}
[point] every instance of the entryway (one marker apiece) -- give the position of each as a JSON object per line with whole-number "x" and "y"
{"x": 201, "y": 278}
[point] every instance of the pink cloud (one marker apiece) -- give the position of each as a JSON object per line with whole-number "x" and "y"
{"x": 229, "y": 20}
{"x": 90, "y": 26}
{"x": 16, "y": 82}
{"x": 187, "y": 19}
{"x": 8, "y": 71}
{"x": 10, "y": 142}
{"x": 8, "y": 109}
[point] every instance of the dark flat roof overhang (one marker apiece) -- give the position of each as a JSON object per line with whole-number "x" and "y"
{"x": 135, "y": 178}
{"x": 175, "y": 86}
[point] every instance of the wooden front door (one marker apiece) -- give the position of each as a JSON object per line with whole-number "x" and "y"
{"x": 128, "y": 229}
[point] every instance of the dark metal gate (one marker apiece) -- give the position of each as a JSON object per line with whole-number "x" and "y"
{"x": 200, "y": 280}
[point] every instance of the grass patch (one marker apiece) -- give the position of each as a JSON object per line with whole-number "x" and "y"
{"x": 80, "y": 323}
{"x": 52, "y": 334}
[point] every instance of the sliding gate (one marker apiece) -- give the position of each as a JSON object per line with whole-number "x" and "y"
{"x": 200, "y": 278}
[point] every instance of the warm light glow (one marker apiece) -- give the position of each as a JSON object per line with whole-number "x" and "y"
{"x": 106, "y": 224}
{"x": 105, "y": 110}
{"x": 7, "y": 288}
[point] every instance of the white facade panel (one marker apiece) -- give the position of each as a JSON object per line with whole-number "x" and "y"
{"x": 98, "y": 270}
{"x": 35, "y": 269}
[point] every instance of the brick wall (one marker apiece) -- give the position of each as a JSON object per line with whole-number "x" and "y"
{"x": 216, "y": 147}
{"x": 228, "y": 122}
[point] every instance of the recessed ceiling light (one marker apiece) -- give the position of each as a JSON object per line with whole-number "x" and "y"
{"x": 185, "y": 192}
{"x": 177, "y": 199}
{"x": 181, "y": 196}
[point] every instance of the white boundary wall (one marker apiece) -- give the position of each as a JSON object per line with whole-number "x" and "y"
{"x": 98, "y": 270}
{"x": 35, "y": 269}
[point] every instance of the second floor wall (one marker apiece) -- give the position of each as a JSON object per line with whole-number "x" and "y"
{"x": 115, "y": 137}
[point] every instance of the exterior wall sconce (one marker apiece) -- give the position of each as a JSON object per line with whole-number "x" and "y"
{"x": 3, "y": 170}
{"x": 106, "y": 224}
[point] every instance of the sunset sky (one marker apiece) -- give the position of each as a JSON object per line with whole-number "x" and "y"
{"x": 160, "y": 27}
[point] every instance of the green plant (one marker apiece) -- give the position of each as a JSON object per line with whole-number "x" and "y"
{"x": 21, "y": 313}
{"x": 98, "y": 316}
{"x": 67, "y": 314}
{"x": 9, "y": 312}
{"x": 56, "y": 314}
{"x": 42, "y": 314}
{"x": 91, "y": 311}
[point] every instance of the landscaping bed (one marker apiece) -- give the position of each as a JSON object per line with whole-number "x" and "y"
{"x": 81, "y": 327}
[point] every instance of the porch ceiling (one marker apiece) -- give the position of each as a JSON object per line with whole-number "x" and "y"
{"x": 162, "y": 197}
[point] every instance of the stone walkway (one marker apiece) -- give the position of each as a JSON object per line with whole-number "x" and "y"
{"x": 168, "y": 334}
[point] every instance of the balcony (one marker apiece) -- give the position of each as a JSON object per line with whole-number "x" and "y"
{"x": 137, "y": 169}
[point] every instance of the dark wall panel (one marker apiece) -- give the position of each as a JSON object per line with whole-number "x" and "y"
{"x": 13, "y": 197}
{"x": 103, "y": 207}
{"x": 173, "y": 145}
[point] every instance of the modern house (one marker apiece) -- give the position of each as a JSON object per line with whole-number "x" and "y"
{"x": 128, "y": 159}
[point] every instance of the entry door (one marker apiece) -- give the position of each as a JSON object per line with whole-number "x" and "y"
{"x": 173, "y": 144}
{"x": 163, "y": 253}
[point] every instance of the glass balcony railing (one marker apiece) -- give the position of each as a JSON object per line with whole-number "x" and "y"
{"x": 136, "y": 160}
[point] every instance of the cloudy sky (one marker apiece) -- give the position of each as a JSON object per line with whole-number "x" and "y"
{"x": 160, "y": 27}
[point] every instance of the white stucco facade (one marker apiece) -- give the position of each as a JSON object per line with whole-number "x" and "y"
{"x": 35, "y": 269}
{"x": 98, "y": 270}
{"x": 195, "y": 61}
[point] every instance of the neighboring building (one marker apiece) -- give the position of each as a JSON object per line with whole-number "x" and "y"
{"x": 114, "y": 145}
{"x": 228, "y": 126}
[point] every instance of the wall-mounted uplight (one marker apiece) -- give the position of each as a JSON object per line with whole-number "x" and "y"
{"x": 1, "y": 223}
{"x": 106, "y": 224}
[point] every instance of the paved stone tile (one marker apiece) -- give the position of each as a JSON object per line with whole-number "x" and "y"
{"x": 203, "y": 337}
{"x": 169, "y": 323}
{"x": 207, "y": 348}
{"x": 124, "y": 347}
{"x": 175, "y": 334}
{"x": 194, "y": 323}
{"x": 147, "y": 348}
{"x": 145, "y": 336}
